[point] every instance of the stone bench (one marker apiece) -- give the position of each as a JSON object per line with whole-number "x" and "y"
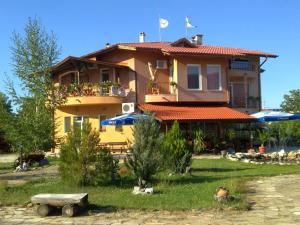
{"x": 70, "y": 203}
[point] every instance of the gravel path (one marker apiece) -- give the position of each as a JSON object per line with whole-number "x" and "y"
{"x": 276, "y": 201}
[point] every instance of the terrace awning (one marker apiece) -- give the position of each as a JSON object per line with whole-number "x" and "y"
{"x": 204, "y": 113}
{"x": 126, "y": 119}
{"x": 272, "y": 116}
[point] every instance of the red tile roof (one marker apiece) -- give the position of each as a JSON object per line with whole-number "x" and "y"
{"x": 164, "y": 112}
{"x": 196, "y": 50}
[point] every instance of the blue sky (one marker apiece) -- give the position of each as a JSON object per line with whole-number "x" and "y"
{"x": 83, "y": 26}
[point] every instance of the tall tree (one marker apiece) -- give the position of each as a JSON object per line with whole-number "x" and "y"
{"x": 291, "y": 101}
{"x": 6, "y": 117}
{"x": 33, "y": 54}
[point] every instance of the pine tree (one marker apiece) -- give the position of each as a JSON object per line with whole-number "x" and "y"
{"x": 179, "y": 156}
{"x": 146, "y": 156}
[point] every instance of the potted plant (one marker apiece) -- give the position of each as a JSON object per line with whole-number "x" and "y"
{"x": 198, "y": 142}
{"x": 173, "y": 84}
{"x": 150, "y": 85}
{"x": 263, "y": 137}
{"x": 105, "y": 87}
{"x": 231, "y": 135}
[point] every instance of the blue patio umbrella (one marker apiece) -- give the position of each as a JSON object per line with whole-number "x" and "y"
{"x": 126, "y": 119}
{"x": 272, "y": 116}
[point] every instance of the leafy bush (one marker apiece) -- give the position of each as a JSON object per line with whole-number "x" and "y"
{"x": 146, "y": 157}
{"x": 198, "y": 144}
{"x": 179, "y": 156}
{"x": 83, "y": 161}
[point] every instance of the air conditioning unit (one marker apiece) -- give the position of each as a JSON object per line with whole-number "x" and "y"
{"x": 128, "y": 108}
{"x": 161, "y": 64}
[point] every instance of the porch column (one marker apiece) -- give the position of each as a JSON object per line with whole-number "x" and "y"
{"x": 246, "y": 91}
{"x": 114, "y": 74}
{"x": 78, "y": 77}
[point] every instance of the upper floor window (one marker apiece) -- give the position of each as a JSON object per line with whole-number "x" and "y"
{"x": 214, "y": 77}
{"x": 193, "y": 77}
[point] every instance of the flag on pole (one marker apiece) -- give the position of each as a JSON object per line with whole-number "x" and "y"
{"x": 163, "y": 23}
{"x": 188, "y": 23}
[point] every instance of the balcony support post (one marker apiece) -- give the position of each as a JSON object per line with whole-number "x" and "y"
{"x": 246, "y": 92}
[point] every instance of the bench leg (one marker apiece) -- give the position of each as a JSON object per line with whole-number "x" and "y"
{"x": 43, "y": 210}
{"x": 69, "y": 210}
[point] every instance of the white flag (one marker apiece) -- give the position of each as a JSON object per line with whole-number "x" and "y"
{"x": 163, "y": 23}
{"x": 188, "y": 23}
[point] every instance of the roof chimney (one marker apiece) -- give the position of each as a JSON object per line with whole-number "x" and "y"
{"x": 142, "y": 37}
{"x": 197, "y": 39}
{"x": 107, "y": 45}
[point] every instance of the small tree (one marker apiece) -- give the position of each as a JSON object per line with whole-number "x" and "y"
{"x": 198, "y": 143}
{"x": 83, "y": 160}
{"x": 145, "y": 157}
{"x": 180, "y": 157}
{"x": 231, "y": 135}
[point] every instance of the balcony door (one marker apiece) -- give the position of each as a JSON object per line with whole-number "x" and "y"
{"x": 104, "y": 75}
{"x": 238, "y": 94}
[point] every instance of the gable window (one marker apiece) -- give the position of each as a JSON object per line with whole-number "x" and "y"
{"x": 214, "y": 77}
{"x": 193, "y": 77}
{"x": 101, "y": 118}
{"x": 67, "y": 124}
{"x": 79, "y": 120}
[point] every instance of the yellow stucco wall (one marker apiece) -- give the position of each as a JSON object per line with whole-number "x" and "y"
{"x": 93, "y": 112}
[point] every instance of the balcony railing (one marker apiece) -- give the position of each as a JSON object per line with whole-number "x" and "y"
{"x": 159, "y": 88}
{"x": 242, "y": 65}
{"x": 244, "y": 102}
{"x": 91, "y": 89}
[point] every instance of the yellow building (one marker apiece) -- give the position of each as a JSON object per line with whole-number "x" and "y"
{"x": 149, "y": 75}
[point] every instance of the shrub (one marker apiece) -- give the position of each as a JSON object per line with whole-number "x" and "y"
{"x": 179, "y": 156}
{"x": 198, "y": 142}
{"x": 145, "y": 157}
{"x": 83, "y": 161}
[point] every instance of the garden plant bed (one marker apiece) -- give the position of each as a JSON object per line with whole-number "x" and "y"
{"x": 281, "y": 157}
{"x": 176, "y": 192}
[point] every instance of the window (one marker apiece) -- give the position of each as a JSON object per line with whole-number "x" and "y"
{"x": 101, "y": 118}
{"x": 67, "y": 124}
{"x": 161, "y": 64}
{"x": 104, "y": 75}
{"x": 78, "y": 121}
{"x": 118, "y": 128}
{"x": 193, "y": 77}
{"x": 214, "y": 77}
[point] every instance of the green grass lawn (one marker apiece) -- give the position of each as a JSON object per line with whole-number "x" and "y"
{"x": 172, "y": 192}
{"x": 6, "y": 167}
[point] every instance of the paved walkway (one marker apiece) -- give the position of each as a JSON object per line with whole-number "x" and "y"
{"x": 18, "y": 178}
{"x": 276, "y": 201}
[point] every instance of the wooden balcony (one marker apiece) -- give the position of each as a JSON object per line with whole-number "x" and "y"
{"x": 160, "y": 92}
{"x": 91, "y": 95}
